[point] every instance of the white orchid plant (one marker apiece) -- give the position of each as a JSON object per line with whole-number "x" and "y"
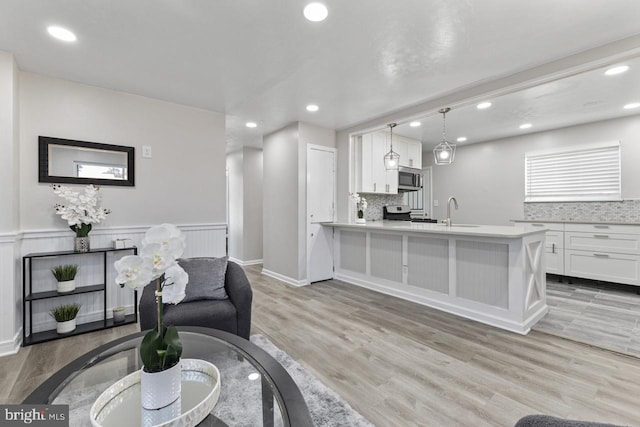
{"x": 162, "y": 246}
{"x": 80, "y": 211}
{"x": 361, "y": 203}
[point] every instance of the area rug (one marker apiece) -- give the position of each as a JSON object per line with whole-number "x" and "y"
{"x": 326, "y": 407}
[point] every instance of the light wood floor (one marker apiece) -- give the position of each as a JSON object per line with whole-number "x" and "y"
{"x": 603, "y": 314}
{"x": 403, "y": 364}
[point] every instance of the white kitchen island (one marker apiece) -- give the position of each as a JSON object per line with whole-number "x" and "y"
{"x": 491, "y": 274}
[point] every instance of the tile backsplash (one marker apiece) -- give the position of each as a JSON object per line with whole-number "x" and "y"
{"x": 623, "y": 211}
{"x": 375, "y": 202}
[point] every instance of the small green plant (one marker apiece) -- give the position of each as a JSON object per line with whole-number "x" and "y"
{"x": 64, "y": 273}
{"x": 64, "y": 313}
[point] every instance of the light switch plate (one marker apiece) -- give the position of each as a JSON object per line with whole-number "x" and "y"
{"x": 146, "y": 151}
{"x": 435, "y": 203}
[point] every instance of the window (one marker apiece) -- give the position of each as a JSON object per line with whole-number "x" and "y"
{"x": 413, "y": 199}
{"x": 584, "y": 173}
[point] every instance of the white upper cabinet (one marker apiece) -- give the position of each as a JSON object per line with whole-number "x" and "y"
{"x": 410, "y": 151}
{"x": 374, "y": 178}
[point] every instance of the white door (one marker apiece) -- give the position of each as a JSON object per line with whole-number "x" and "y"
{"x": 321, "y": 186}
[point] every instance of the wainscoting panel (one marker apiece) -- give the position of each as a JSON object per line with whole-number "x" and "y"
{"x": 482, "y": 271}
{"x": 201, "y": 240}
{"x": 428, "y": 263}
{"x": 386, "y": 256}
{"x": 11, "y": 294}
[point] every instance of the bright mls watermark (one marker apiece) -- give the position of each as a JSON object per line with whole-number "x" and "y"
{"x": 34, "y": 415}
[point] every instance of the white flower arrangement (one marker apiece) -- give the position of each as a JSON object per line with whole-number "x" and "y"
{"x": 361, "y": 203}
{"x": 161, "y": 247}
{"x": 80, "y": 211}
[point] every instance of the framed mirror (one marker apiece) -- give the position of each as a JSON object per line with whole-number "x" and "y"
{"x": 66, "y": 161}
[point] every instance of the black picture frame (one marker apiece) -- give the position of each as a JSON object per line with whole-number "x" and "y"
{"x": 43, "y": 162}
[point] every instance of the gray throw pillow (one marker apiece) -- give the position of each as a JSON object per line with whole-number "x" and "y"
{"x": 206, "y": 278}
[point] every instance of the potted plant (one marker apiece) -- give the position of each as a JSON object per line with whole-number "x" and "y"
{"x": 160, "y": 349}
{"x": 118, "y": 314}
{"x": 361, "y": 206}
{"x": 65, "y": 316}
{"x": 66, "y": 277}
{"x": 81, "y": 211}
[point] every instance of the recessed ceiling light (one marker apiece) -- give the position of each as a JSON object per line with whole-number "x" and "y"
{"x": 316, "y": 12}
{"x": 525, "y": 126}
{"x": 251, "y": 124}
{"x": 483, "y": 105}
{"x": 254, "y": 376}
{"x": 616, "y": 70}
{"x": 414, "y": 124}
{"x": 312, "y": 108}
{"x": 61, "y": 33}
{"x": 462, "y": 139}
{"x": 632, "y": 105}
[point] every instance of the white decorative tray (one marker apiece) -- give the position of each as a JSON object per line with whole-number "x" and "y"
{"x": 120, "y": 406}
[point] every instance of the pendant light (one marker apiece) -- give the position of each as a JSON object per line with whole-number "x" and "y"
{"x": 444, "y": 152}
{"x": 391, "y": 159}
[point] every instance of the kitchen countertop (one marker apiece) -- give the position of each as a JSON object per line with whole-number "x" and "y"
{"x": 575, "y": 221}
{"x": 456, "y": 229}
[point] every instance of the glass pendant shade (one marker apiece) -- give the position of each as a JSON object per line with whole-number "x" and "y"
{"x": 391, "y": 159}
{"x": 444, "y": 152}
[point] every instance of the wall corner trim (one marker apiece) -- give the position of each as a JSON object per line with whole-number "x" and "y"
{"x": 285, "y": 279}
{"x": 245, "y": 263}
{"x": 10, "y": 347}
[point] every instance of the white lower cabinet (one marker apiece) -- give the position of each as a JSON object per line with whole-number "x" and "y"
{"x": 610, "y": 267}
{"x": 554, "y": 245}
{"x": 607, "y": 252}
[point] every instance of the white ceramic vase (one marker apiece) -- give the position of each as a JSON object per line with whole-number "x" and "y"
{"x": 66, "y": 327}
{"x": 66, "y": 286}
{"x": 160, "y": 389}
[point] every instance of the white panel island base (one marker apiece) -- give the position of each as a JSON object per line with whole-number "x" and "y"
{"x": 491, "y": 274}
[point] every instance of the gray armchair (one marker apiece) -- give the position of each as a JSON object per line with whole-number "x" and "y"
{"x": 547, "y": 421}
{"x": 231, "y": 315}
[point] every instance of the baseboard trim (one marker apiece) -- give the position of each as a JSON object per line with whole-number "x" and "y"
{"x": 245, "y": 263}
{"x": 521, "y": 328}
{"x": 10, "y": 347}
{"x": 286, "y": 279}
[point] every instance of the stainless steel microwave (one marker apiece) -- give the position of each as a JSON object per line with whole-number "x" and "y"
{"x": 409, "y": 179}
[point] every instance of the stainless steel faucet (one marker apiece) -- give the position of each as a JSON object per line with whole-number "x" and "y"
{"x": 455, "y": 203}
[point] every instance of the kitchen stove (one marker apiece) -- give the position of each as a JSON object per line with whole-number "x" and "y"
{"x": 402, "y": 213}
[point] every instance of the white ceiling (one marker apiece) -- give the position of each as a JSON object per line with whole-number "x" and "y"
{"x": 583, "y": 98}
{"x": 262, "y": 61}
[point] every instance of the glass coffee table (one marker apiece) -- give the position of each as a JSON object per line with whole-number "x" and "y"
{"x": 255, "y": 389}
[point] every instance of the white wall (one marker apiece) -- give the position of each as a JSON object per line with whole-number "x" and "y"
{"x": 487, "y": 179}
{"x": 236, "y": 202}
{"x": 280, "y": 202}
{"x": 10, "y": 266}
{"x": 183, "y": 183}
{"x": 253, "y": 212}
{"x": 285, "y": 202}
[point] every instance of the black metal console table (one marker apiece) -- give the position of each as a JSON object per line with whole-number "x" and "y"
{"x": 29, "y": 297}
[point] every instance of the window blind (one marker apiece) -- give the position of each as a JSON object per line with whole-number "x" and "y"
{"x": 580, "y": 174}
